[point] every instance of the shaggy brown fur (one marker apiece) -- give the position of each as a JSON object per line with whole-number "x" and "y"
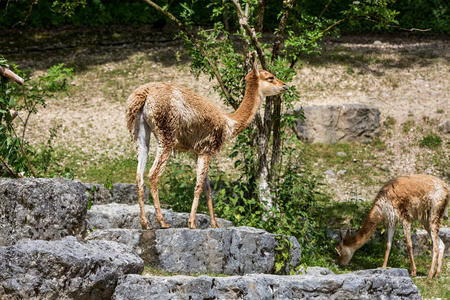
{"x": 184, "y": 121}
{"x": 408, "y": 198}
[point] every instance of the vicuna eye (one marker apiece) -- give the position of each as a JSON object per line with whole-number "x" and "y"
{"x": 270, "y": 78}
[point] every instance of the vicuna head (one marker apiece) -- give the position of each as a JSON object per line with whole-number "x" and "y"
{"x": 345, "y": 253}
{"x": 268, "y": 84}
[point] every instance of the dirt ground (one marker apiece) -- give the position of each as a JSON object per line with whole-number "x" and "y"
{"x": 406, "y": 77}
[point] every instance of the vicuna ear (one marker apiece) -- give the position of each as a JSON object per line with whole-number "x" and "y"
{"x": 255, "y": 64}
{"x": 338, "y": 251}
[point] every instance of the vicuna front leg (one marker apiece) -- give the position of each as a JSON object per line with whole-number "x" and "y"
{"x": 202, "y": 171}
{"x": 162, "y": 156}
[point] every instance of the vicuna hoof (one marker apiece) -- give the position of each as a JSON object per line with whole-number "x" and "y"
{"x": 164, "y": 225}
{"x": 191, "y": 225}
{"x": 145, "y": 225}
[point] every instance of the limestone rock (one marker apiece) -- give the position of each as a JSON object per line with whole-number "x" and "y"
{"x": 119, "y": 193}
{"x": 141, "y": 241}
{"x": 64, "y": 269}
{"x": 41, "y": 208}
{"x": 445, "y": 126}
{"x": 338, "y": 123}
{"x": 377, "y": 285}
{"x": 422, "y": 244}
{"x": 235, "y": 250}
{"x": 116, "y": 215}
{"x": 232, "y": 250}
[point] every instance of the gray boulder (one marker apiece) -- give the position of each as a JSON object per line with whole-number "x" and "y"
{"x": 41, "y": 208}
{"x": 64, "y": 269}
{"x": 422, "y": 244}
{"x": 445, "y": 126}
{"x": 378, "y": 285}
{"x": 141, "y": 241}
{"x": 232, "y": 250}
{"x": 116, "y": 215}
{"x": 338, "y": 123}
{"x": 125, "y": 193}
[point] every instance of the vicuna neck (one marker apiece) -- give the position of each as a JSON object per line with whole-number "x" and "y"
{"x": 366, "y": 230}
{"x": 250, "y": 104}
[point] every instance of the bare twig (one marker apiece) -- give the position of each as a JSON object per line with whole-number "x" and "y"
{"x": 197, "y": 44}
{"x": 28, "y": 13}
{"x": 325, "y": 8}
{"x": 10, "y": 170}
{"x": 243, "y": 20}
{"x": 5, "y": 72}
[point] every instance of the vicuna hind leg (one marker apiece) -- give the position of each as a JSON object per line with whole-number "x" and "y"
{"x": 407, "y": 230}
{"x": 143, "y": 139}
{"x": 162, "y": 156}
{"x": 202, "y": 171}
{"x": 440, "y": 257}
{"x": 438, "y": 247}
{"x": 208, "y": 193}
{"x": 390, "y": 233}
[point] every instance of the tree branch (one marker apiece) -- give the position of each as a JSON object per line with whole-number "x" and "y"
{"x": 325, "y": 8}
{"x": 243, "y": 20}
{"x": 10, "y": 170}
{"x": 276, "y": 113}
{"x": 260, "y": 16}
{"x": 287, "y": 7}
{"x": 197, "y": 44}
{"x": 5, "y": 72}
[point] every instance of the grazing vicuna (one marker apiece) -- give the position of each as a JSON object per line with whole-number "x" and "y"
{"x": 184, "y": 121}
{"x": 409, "y": 198}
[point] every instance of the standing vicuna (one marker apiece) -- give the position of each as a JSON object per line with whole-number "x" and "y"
{"x": 184, "y": 121}
{"x": 416, "y": 197}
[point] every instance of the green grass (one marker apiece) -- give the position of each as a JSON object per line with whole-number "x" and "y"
{"x": 433, "y": 288}
{"x": 389, "y": 123}
{"x": 358, "y": 160}
{"x": 431, "y": 140}
{"x": 406, "y": 126}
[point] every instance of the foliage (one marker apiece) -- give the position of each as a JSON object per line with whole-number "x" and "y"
{"x": 17, "y": 155}
{"x": 421, "y": 14}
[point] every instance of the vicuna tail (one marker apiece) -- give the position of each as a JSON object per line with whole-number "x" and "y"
{"x": 134, "y": 104}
